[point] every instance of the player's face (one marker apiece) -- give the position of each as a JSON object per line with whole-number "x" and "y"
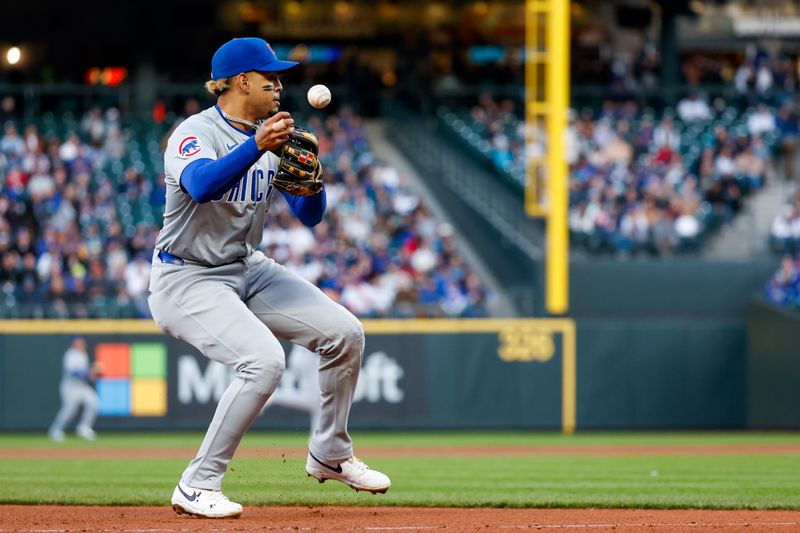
{"x": 265, "y": 93}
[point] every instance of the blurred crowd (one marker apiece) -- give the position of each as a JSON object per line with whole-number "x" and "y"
{"x": 646, "y": 183}
{"x": 657, "y": 185}
{"x": 785, "y": 229}
{"x": 64, "y": 251}
{"x": 79, "y": 213}
{"x": 757, "y": 75}
{"x": 764, "y": 77}
{"x": 784, "y": 287}
{"x": 378, "y": 251}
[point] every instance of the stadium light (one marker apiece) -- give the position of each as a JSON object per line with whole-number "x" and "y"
{"x": 293, "y": 8}
{"x": 13, "y": 55}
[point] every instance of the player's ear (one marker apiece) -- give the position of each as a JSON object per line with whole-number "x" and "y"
{"x": 244, "y": 82}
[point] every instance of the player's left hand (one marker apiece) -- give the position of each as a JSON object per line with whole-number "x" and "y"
{"x": 96, "y": 370}
{"x": 299, "y": 170}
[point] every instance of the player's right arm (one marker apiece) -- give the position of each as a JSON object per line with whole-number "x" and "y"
{"x": 192, "y": 158}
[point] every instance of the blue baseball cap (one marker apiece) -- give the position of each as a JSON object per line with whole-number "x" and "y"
{"x": 246, "y": 54}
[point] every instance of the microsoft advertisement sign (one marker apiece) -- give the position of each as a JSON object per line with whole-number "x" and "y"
{"x": 172, "y": 382}
{"x": 133, "y": 380}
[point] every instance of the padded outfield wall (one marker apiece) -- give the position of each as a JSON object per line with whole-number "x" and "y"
{"x": 526, "y": 373}
{"x": 773, "y": 366}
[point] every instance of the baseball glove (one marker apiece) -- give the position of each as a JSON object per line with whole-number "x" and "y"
{"x": 299, "y": 169}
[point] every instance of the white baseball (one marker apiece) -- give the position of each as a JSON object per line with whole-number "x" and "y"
{"x": 319, "y": 96}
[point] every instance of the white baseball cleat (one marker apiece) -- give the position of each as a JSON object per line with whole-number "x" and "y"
{"x": 203, "y": 503}
{"x": 56, "y": 435}
{"x": 352, "y": 472}
{"x": 85, "y": 432}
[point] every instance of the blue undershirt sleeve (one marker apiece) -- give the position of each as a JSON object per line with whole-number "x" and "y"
{"x": 206, "y": 179}
{"x": 308, "y": 209}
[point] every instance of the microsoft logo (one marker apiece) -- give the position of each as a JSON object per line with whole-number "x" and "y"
{"x": 134, "y": 379}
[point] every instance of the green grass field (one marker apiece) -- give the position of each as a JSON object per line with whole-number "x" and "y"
{"x": 764, "y": 480}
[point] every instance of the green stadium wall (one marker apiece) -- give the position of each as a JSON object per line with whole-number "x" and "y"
{"x": 773, "y": 363}
{"x": 645, "y": 373}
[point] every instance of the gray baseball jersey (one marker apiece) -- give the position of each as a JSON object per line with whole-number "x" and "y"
{"x": 229, "y": 227}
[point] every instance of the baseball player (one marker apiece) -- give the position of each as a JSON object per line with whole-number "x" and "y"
{"x": 211, "y": 287}
{"x": 76, "y": 392}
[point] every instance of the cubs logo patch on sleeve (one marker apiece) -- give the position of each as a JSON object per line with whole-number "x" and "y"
{"x": 189, "y": 146}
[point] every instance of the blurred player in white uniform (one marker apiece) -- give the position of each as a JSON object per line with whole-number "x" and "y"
{"x": 76, "y": 393}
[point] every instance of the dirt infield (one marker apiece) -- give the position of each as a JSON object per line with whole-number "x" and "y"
{"x": 58, "y": 519}
{"x": 376, "y": 451}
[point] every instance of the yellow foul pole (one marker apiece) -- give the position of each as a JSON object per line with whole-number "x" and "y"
{"x": 557, "y": 267}
{"x": 547, "y": 40}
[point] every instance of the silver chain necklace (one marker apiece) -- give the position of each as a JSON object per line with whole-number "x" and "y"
{"x": 252, "y": 125}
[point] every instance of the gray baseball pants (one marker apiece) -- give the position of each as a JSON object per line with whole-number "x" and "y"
{"x": 74, "y": 394}
{"x": 233, "y": 314}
